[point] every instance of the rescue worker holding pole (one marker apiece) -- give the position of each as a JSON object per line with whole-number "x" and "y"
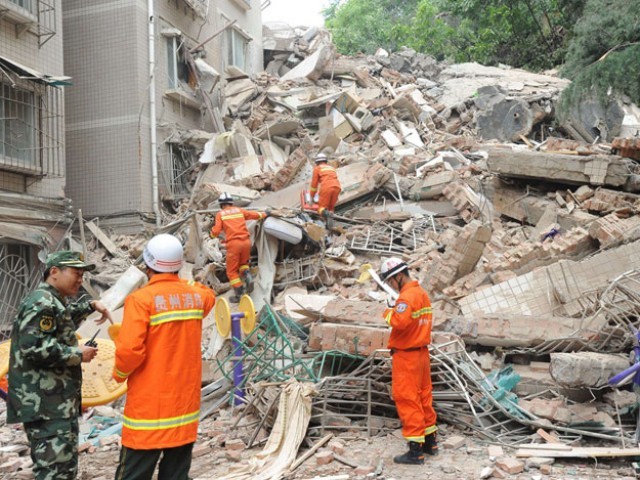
{"x": 410, "y": 320}
{"x": 158, "y": 352}
{"x": 325, "y": 178}
{"x": 232, "y": 220}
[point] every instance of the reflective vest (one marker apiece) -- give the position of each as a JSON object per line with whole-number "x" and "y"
{"x": 233, "y": 221}
{"x": 158, "y": 352}
{"x": 325, "y": 176}
{"x": 410, "y": 319}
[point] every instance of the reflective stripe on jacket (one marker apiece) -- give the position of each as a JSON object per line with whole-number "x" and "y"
{"x": 325, "y": 176}
{"x": 232, "y": 220}
{"x": 410, "y": 318}
{"x": 158, "y": 352}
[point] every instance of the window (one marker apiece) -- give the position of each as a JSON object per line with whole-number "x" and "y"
{"x": 176, "y": 171}
{"x": 236, "y": 48}
{"x": 18, "y": 127}
{"x": 177, "y": 69}
{"x": 28, "y": 5}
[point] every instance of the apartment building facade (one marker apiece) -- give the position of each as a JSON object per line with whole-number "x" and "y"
{"x": 34, "y": 213}
{"x": 140, "y": 69}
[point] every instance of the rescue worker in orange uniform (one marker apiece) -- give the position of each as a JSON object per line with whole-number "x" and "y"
{"x": 232, "y": 220}
{"x": 158, "y": 353}
{"x": 410, "y": 320}
{"x": 325, "y": 178}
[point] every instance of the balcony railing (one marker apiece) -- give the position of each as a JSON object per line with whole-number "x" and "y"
{"x": 34, "y": 16}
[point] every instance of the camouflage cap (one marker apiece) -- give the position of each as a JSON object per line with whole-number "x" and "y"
{"x": 67, "y": 258}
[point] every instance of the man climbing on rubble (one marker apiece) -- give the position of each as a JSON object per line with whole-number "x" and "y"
{"x": 325, "y": 178}
{"x": 410, "y": 320}
{"x": 45, "y": 365}
{"x": 232, "y": 220}
{"x": 158, "y": 353}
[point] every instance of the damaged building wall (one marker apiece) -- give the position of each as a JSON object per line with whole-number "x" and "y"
{"x": 108, "y": 108}
{"x": 34, "y": 212}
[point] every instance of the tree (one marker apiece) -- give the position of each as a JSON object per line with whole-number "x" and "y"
{"x": 366, "y": 25}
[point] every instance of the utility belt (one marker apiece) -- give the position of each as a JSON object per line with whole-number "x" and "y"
{"x": 412, "y": 349}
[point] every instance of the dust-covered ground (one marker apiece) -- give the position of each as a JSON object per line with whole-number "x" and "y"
{"x": 464, "y": 463}
{"x": 220, "y": 449}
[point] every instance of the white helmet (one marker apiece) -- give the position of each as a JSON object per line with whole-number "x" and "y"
{"x": 390, "y": 267}
{"x": 321, "y": 157}
{"x": 225, "y": 199}
{"x": 163, "y": 253}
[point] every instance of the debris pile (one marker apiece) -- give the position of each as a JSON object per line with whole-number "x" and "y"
{"x": 525, "y": 237}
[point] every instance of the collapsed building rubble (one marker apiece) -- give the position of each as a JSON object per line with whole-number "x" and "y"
{"x": 526, "y": 243}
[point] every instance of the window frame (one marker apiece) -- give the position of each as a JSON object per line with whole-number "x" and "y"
{"x": 9, "y": 100}
{"x": 232, "y": 34}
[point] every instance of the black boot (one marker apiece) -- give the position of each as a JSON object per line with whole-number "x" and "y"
{"x": 414, "y": 456}
{"x": 238, "y": 292}
{"x": 430, "y": 445}
{"x": 248, "y": 280}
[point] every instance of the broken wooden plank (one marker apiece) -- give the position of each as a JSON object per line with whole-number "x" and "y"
{"x": 548, "y": 437}
{"x": 578, "y": 452}
{"x": 103, "y": 238}
{"x": 310, "y": 452}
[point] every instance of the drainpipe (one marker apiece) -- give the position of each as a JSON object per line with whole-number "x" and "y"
{"x": 152, "y": 111}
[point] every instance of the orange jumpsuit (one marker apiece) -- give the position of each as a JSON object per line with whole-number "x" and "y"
{"x": 410, "y": 321}
{"x": 325, "y": 177}
{"x": 158, "y": 352}
{"x": 233, "y": 221}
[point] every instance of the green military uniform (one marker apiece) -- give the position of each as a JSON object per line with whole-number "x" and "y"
{"x": 45, "y": 376}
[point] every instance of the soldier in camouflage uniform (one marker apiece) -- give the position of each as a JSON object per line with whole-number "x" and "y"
{"x": 45, "y": 375}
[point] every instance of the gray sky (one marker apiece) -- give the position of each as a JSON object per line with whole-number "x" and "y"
{"x": 295, "y": 12}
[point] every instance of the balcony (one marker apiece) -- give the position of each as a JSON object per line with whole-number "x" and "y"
{"x": 35, "y": 16}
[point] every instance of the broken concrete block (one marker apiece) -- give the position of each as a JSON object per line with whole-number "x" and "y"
{"x": 608, "y": 170}
{"x": 454, "y": 442}
{"x": 586, "y": 369}
{"x": 510, "y": 330}
{"x": 312, "y": 66}
{"x": 324, "y": 457}
{"x": 528, "y": 294}
{"x": 508, "y": 201}
{"x": 583, "y": 192}
{"x": 468, "y": 202}
{"x": 486, "y": 472}
{"x": 495, "y": 451}
{"x": 611, "y": 229}
{"x": 235, "y": 444}
{"x": 357, "y": 340}
{"x": 336, "y": 447}
{"x": 364, "y": 470}
{"x": 391, "y": 139}
{"x": 537, "y": 462}
{"x": 344, "y": 311}
{"x": 432, "y": 186}
{"x": 510, "y": 465}
{"x": 461, "y": 257}
{"x": 627, "y": 147}
{"x": 292, "y": 166}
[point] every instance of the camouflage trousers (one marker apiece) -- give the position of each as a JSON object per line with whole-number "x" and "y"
{"x": 54, "y": 448}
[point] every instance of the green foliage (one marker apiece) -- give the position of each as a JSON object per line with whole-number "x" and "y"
{"x": 605, "y": 80}
{"x": 366, "y": 25}
{"x": 528, "y": 33}
{"x": 604, "y": 25}
{"x": 603, "y": 59}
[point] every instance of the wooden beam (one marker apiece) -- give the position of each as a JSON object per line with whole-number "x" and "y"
{"x": 103, "y": 238}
